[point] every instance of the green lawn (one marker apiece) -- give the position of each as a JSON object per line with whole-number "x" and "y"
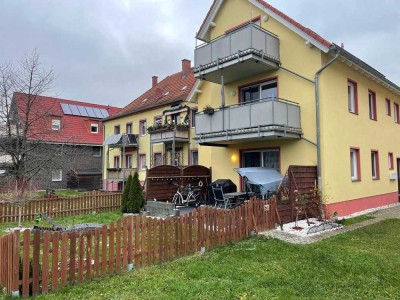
{"x": 102, "y": 218}
{"x": 351, "y": 221}
{"x": 61, "y": 193}
{"x": 362, "y": 264}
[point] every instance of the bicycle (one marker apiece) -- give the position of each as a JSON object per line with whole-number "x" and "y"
{"x": 193, "y": 194}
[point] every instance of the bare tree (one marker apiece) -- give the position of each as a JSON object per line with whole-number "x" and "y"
{"x": 22, "y": 125}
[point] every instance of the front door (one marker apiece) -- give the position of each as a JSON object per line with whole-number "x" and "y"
{"x": 398, "y": 177}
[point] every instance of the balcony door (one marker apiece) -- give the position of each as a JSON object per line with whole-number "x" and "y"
{"x": 264, "y": 90}
{"x": 268, "y": 158}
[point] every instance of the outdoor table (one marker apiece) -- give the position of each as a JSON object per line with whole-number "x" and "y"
{"x": 236, "y": 196}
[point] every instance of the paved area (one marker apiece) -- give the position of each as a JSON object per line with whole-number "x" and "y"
{"x": 392, "y": 212}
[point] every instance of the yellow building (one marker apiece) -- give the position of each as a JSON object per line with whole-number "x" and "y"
{"x": 154, "y": 129}
{"x": 290, "y": 97}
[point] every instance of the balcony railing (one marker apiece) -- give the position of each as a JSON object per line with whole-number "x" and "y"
{"x": 266, "y": 118}
{"x": 242, "y": 53}
{"x": 169, "y": 134}
{"x": 119, "y": 174}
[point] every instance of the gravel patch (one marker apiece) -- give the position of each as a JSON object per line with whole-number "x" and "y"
{"x": 291, "y": 235}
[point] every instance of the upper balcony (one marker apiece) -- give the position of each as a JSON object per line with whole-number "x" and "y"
{"x": 120, "y": 174}
{"x": 242, "y": 53}
{"x": 270, "y": 118}
{"x": 169, "y": 133}
{"x": 128, "y": 140}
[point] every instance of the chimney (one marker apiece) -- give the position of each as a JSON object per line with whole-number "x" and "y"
{"x": 342, "y": 45}
{"x": 154, "y": 81}
{"x": 186, "y": 65}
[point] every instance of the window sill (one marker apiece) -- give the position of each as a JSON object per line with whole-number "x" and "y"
{"x": 356, "y": 180}
{"x": 354, "y": 112}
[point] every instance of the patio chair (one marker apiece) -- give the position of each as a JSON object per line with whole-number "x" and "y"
{"x": 220, "y": 199}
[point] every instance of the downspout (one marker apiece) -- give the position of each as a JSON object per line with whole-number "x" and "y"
{"x": 317, "y": 113}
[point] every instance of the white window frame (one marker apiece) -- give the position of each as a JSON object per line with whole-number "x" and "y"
{"x": 143, "y": 129}
{"x": 56, "y": 175}
{"x": 374, "y": 165}
{"x": 193, "y": 117}
{"x": 56, "y": 124}
{"x": 372, "y": 105}
{"x": 94, "y": 150}
{"x": 396, "y": 113}
{"x": 128, "y": 128}
{"x": 192, "y": 157}
{"x": 129, "y": 161}
{"x": 390, "y": 161}
{"x": 157, "y": 120}
{"x": 351, "y": 94}
{"x": 92, "y": 126}
{"x": 354, "y": 161}
{"x": 142, "y": 162}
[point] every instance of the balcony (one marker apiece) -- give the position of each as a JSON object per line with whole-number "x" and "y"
{"x": 270, "y": 118}
{"x": 240, "y": 54}
{"x": 118, "y": 174}
{"x": 167, "y": 134}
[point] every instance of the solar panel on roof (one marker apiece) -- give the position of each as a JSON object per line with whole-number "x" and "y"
{"x": 74, "y": 110}
{"x": 82, "y": 111}
{"x": 104, "y": 113}
{"x": 90, "y": 112}
{"x": 65, "y": 108}
{"x": 97, "y": 112}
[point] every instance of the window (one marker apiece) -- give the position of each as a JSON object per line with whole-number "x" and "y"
{"x": 372, "y": 105}
{"x": 94, "y": 128}
{"x": 396, "y": 113}
{"x": 261, "y": 158}
{"x": 193, "y": 113}
{"x": 117, "y": 129}
{"x": 352, "y": 96}
{"x": 390, "y": 161}
{"x": 194, "y": 159}
{"x": 55, "y": 124}
{"x": 157, "y": 121}
{"x": 56, "y": 175}
{"x": 176, "y": 118}
{"x": 128, "y": 162}
{"x": 355, "y": 164}
{"x": 388, "y": 108}
{"x": 375, "y": 164}
{"x": 158, "y": 161}
{"x": 96, "y": 151}
{"x": 129, "y": 128}
{"x": 265, "y": 90}
{"x": 142, "y": 127}
{"x": 142, "y": 161}
{"x": 116, "y": 162}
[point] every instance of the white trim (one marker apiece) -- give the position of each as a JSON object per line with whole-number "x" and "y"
{"x": 56, "y": 175}
{"x": 209, "y": 22}
{"x": 195, "y": 90}
{"x": 292, "y": 27}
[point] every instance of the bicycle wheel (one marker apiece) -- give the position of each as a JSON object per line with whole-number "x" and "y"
{"x": 176, "y": 199}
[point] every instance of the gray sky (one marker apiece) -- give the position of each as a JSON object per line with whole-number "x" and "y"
{"x": 106, "y": 51}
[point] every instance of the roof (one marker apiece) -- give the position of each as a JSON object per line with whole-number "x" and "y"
{"x": 315, "y": 39}
{"x": 270, "y": 9}
{"x": 172, "y": 89}
{"x": 73, "y": 129}
{"x": 85, "y": 172}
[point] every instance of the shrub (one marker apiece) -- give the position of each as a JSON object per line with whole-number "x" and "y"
{"x": 135, "y": 195}
{"x": 125, "y": 195}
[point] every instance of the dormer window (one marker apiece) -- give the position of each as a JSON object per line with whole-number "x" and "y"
{"x": 55, "y": 124}
{"x": 94, "y": 128}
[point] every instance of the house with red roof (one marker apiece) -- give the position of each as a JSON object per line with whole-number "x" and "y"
{"x": 154, "y": 129}
{"x": 62, "y": 136}
{"x": 294, "y": 102}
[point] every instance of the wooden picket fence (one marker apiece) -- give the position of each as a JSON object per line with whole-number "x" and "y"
{"x": 37, "y": 262}
{"x": 60, "y": 207}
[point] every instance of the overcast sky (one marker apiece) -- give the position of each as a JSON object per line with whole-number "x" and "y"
{"x": 105, "y": 51}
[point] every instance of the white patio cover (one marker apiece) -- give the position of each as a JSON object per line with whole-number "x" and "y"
{"x": 267, "y": 179}
{"x": 111, "y": 140}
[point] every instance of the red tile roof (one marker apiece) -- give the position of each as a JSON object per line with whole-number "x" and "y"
{"x": 172, "y": 89}
{"x": 282, "y": 15}
{"x": 74, "y": 129}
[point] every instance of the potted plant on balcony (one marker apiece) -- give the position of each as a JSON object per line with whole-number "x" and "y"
{"x": 208, "y": 110}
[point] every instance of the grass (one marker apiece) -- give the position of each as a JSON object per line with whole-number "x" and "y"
{"x": 102, "y": 218}
{"x": 362, "y": 264}
{"x": 351, "y": 221}
{"x": 61, "y": 193}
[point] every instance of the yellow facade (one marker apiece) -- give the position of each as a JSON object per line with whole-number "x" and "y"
{"x": 144, "y": 144}
{"x": 340, "y": 130}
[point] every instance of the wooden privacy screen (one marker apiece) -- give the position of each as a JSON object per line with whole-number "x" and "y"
{"x": 159, "y": 180}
